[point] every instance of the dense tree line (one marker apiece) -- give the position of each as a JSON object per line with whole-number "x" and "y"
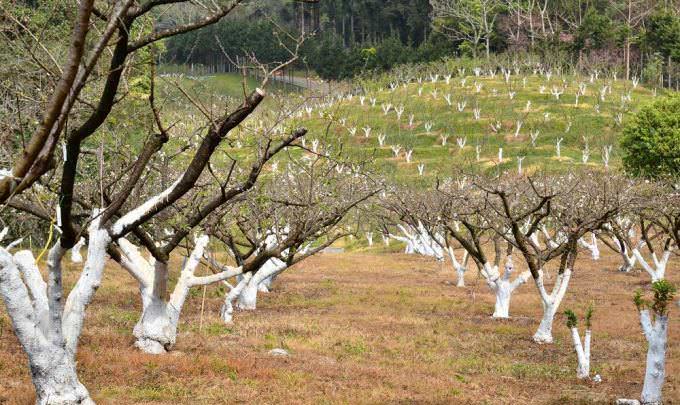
{"x": 633, "y": 37}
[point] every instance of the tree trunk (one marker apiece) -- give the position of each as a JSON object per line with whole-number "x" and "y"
{"x": 247, "y": 300}
{"x": 488, "y": 47}
{"x": 503, "y": 287}
{"x": 460, "y": 271}
{"x": 227, "y": 310}
{"x": 582, "y": 353}
{"x": 544, "y": 332}
{"x": 266, "y": 284}
{"x": 54, "y": 376}
{"x": 551, "y": 303}
{"x": 156, "y": 332}
{"x": 47, "y": 327}
{"x": 628, "y": 263}
{"x": 657, "y": 268}
{"x": 503, "y": 296}
{"x": 626, "y": 55}
{"x": 655, "y": 372}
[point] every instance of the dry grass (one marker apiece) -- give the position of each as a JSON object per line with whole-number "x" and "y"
{"x": 363, "y": 328}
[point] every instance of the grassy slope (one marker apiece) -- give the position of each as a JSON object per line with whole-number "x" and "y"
{"x": 587, "y": 125}
{"x": 222, "y": 84}
{"x": 363, "y": 328}
{"x": 599, "y": 129}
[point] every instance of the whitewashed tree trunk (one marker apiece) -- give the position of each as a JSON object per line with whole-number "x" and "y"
{"x": 266, "y": 285}
{"x": 551, "y": 303}
{"x": 247, "y": 299}
{"x": 502, "y": 286}
{"x": 459, "y": 266}
{"x": 418, "y": 240}
{"x": 47, "y": 328}
{"x": 658, "y": 271}
{"x": 628, "y": 260}
{"x": 409, "y": 243}
{"x": 656, "y": 333}
{"x": 227, "y": 311}
{"x": 76, "y": 257}
{"x": 156, "y": 330}
{"x": 582, "y": 352}
{"x": 628, "y": 263}
{"x": 591, "y": 246}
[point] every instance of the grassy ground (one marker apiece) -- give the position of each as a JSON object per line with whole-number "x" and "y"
{"x": 222, "y": 84}
{"x": 364, "y": 328}
{"x": 593, "y": 124}
{"x": 553, "y": 118}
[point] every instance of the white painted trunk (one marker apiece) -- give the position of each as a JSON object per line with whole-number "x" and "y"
{"x": 76, "y": 257}
{"x": 247, "y": 299}
{"x": 586, "y": 347}
{"x": 156, "y": 330}
{"x": 503, "y": 296}
{"x": 551, "y": 303}
{"x": 262, "y": 287}
{"x": 582, "y": 353}
{"x": 54, "y": 376}
{"x": 502, "y": 286}
{"x": 656, "y": 334}
{"x": 628, "y": 263}
{"x": 51, "y": 363}
{"x": 544, "y": 332}
{"x": 592, "y": 246}
{"x": 227, "y": 311}
{"x": 460, "y": 272}
{"x": 47, "y": 327}
{"x": 459, "y": 266}
{"x": 266, "y": 284}
{"x": 657, "y": 269}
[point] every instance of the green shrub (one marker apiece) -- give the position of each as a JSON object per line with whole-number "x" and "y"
{"x": 651, "y": 140}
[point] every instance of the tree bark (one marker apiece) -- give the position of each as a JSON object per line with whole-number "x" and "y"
{"x": 656, "y": 334}
{"x": 582, "y": 353}
{"x": 47, "y": 330}
{"x": 247, "y": 299}
{"x": 550, "y": 303}
{"x": 503, "y": 287}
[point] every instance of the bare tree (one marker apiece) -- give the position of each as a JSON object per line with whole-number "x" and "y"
{"x": 633, "y": 13}
{"x": 658, "y": 212}
{"x": 466, "y": 20}
{"x": 124, "y": 194}
{"x": 571, "y": 205}
{"x": 293, "y": 216}
{"x": 98, "y": 54}
{"x": 453, "y": 212}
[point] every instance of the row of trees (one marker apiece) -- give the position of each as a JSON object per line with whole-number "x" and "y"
{"x": 92, "y": 157}
{"x": 546, "y": 221}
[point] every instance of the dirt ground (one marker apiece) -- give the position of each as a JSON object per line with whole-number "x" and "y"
{"x": 364, "y": 328}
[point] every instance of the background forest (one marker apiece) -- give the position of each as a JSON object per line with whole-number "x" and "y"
{"x": 634, "y": 37}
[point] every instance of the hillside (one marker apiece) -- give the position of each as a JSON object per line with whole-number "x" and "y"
{"x": 466, "y": 120}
